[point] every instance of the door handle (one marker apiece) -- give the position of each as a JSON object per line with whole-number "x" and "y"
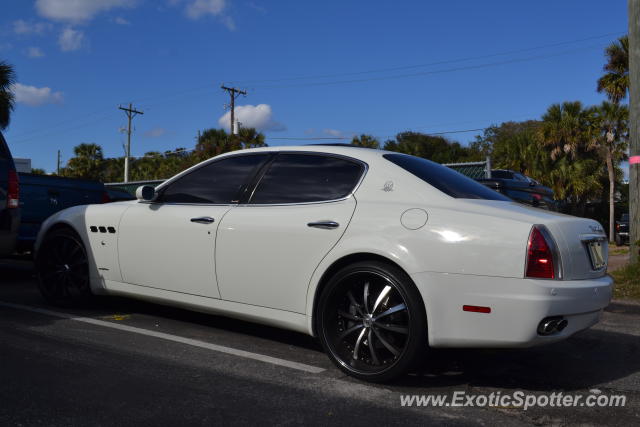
{"x": 203, "y": 220}
{"x": 325, "y": 225}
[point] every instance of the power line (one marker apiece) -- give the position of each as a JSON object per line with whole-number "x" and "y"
{"x": 429, "y": 64}
{"x": 425, "y": 73}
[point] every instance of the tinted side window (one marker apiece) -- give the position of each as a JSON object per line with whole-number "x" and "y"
{"x": 219, "y": 182}
{"x": 303, "y": 178}
{"x": 444, "y": 179}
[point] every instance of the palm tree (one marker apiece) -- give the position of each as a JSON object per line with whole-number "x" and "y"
{"x": 615, "y": 81}
{"x": 88, "y": 162}
{"x": 365, "y": 140}
{"x": 7, "y": 79}
{"x": 567, "y": 128}
{"x": 613, "y": 123}
{"x": 250, "y": 138}
{"x": 212, "y": 142}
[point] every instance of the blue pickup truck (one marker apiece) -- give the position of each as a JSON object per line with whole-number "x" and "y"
{"x": 43, "y": 195}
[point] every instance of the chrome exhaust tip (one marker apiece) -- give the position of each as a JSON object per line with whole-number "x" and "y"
{"x": 562, "y": 324}
{"x": 551, "y": 325}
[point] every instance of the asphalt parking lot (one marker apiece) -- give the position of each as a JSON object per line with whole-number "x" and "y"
{"x": 124, "y": 362}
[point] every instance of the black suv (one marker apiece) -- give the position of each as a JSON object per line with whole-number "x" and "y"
{"x": 9, "y": 205}
{"x": 521, "y": 189}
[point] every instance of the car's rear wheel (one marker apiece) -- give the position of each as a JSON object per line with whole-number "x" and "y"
{"x": 618, "y": 239}
{"x": 371, "y": 321}
{"x": 63, "y": 268}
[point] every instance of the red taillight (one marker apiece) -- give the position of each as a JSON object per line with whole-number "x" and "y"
{"x": 105, "y": 197}
{"x": 13, "y": 199}
{"x": 618, "y": 227}
{"x": 539, "y": 256}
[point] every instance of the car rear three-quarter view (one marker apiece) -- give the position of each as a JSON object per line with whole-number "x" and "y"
{"x": 380, "y": 255}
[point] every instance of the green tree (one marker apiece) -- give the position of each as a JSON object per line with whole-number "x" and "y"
{"x": 365, "y": 140}
{"x": 567, "y": 128}
{"x": 611, "y": 143}
{"x": 213, "y": 142}
{"x": 249, "y": 138}
{"x": 514, "y": 145}
{"x": 87, "y": 163}
{"x": 615, "y": 81}
{"x": 568, "y": 134}
{"x": 7, "y": 79}
{"x": 38, "y": 171}
{"x": 436, "y": 148}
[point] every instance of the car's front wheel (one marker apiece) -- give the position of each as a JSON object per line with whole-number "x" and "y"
{"x": 371, "y": 321}
{"x": 63, "y": 268}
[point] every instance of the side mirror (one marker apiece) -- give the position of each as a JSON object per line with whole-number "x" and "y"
{"x": 145, "y": 193}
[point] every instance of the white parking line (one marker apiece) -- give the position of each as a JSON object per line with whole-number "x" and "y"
{"x": 188, "y": 341}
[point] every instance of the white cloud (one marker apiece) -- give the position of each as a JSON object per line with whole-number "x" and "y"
{"x": 23, "y": 27}
{"x": 253, "y": 116}
{"x": 35, "y": 96}
{"x": 121, "y": 21}
{"x": 333, "y": 132}
{"x": 77, "y": 10}
{"x": 229, "y": 23}
{"x": 35, "y": 52}
{"x": 198, "y": 8}
{"x": 155, "y": 132}
{"x": 70, "y": 39}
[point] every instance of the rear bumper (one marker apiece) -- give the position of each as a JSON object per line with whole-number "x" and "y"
{"x": 517, "y": 308}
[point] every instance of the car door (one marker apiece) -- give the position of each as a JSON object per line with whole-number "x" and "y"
{"x": 268, "y": 247}
{"x": 170, "y": 243}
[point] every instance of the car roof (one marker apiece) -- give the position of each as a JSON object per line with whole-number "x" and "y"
{"x": 360, "y": 153}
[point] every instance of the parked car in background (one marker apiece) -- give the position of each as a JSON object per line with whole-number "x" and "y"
{"x": 378, "y": 254}
{"x": 521, "y": 189}
{"x": 622, "y": 230}
{"x": 9, "y": 200}
{"x": 44, "y": 195}
{"x": 118, "y": 195}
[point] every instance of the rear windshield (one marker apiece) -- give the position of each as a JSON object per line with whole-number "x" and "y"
{"x": 624, "y": 217}
{"x": 444, "y": 179}
{"x": 4, "y": 150}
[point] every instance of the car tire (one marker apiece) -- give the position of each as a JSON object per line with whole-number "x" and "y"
{"x": 618, "y": 240}
{"x": 62, "y": 269}
{"x": 371, "y": 321}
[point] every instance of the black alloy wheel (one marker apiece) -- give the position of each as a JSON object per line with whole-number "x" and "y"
{"x": 63, "y": 268}
{"x": 371, "y": 321}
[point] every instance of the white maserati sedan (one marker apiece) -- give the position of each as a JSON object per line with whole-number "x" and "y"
{"x": 379, "y": 255}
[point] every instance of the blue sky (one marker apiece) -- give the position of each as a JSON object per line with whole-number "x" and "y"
{"x": 311, "y": 69}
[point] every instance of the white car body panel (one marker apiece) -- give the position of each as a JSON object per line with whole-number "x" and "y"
{"x": 270, "y": 265}
{"x": 161, "y": 248}
{"x": 281, "y": 249}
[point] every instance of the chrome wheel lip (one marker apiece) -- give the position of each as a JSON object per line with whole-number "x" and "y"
{"x": 368, "y": 332}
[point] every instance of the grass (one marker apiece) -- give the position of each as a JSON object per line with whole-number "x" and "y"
{"x": 627, "y": 282}
{"x": 618, "y": 250}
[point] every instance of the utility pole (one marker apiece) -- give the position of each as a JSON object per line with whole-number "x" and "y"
{"x": 233, "y": 93}
{"x": 58, "y": 168}
{"x": 634, "y": 130}
{"x": 131, "y": 113}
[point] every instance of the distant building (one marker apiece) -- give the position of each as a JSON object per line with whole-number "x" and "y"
{"x": 23, "y": 165}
